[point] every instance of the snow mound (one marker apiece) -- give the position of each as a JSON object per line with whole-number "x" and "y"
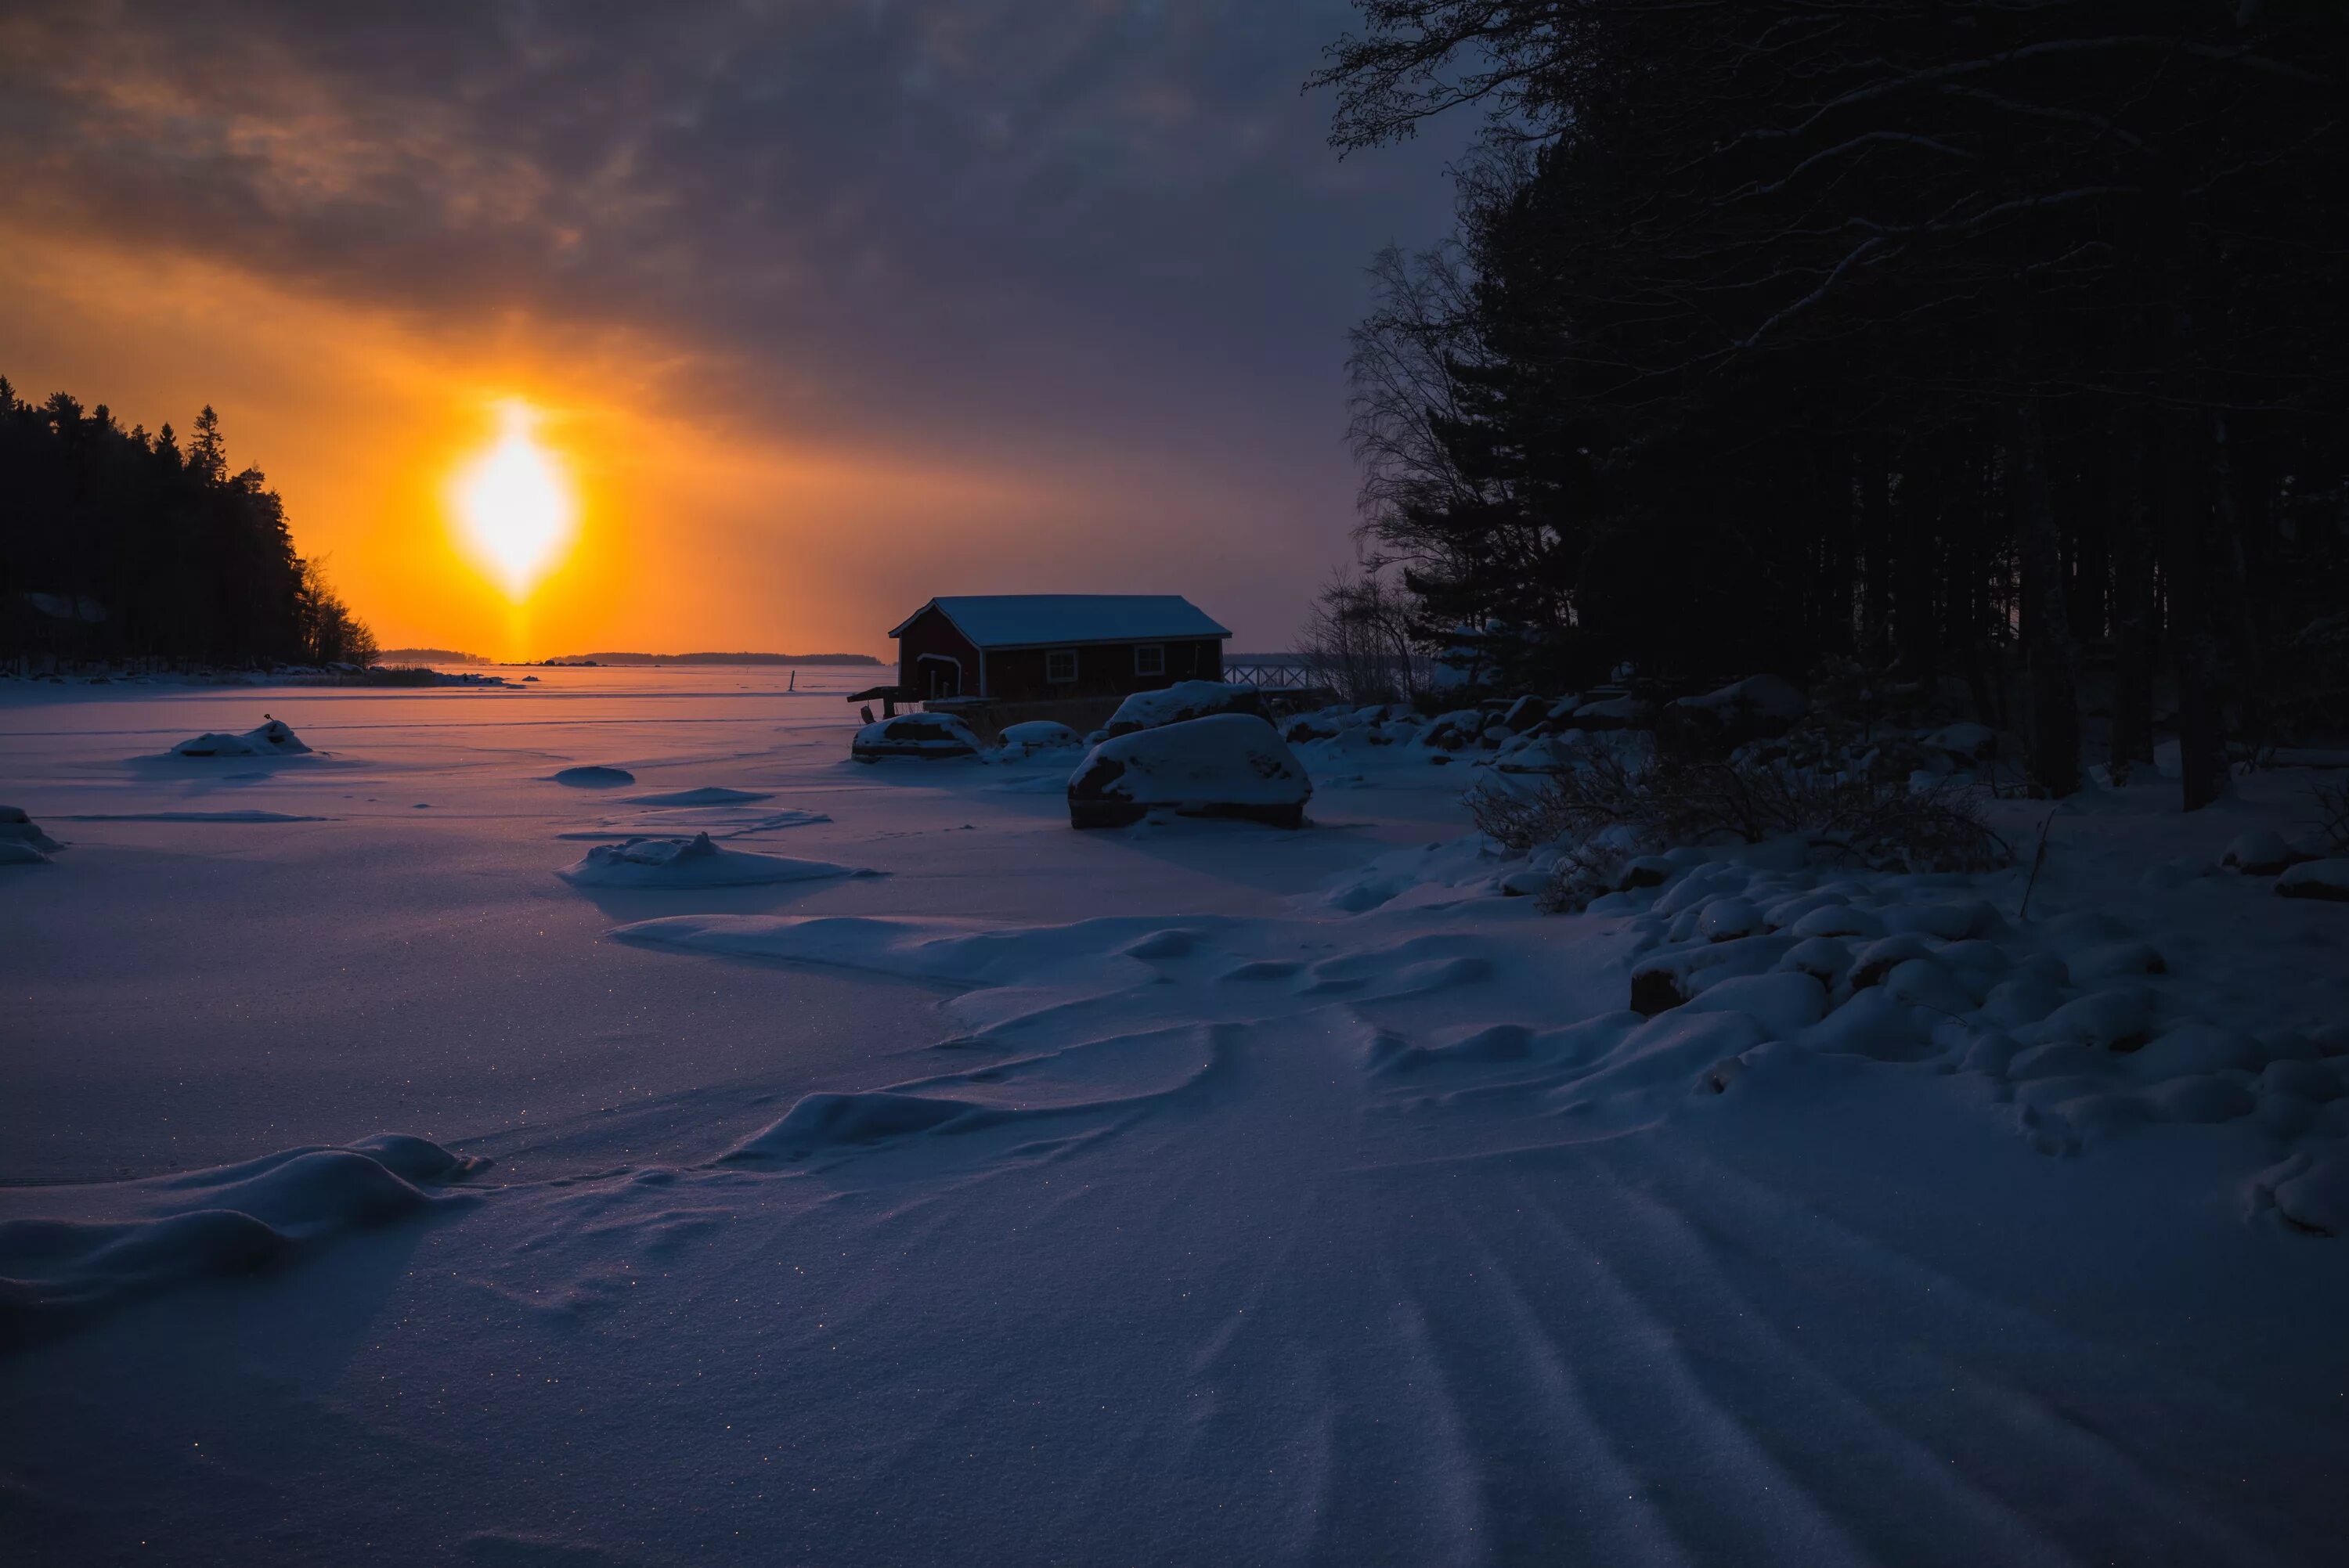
{"x": 591, "y": 776}
{"x": 708, "y": 795}
{"x": 1229, "y": 763}
{"x": 136, "y": 1238}
{"x": 1175, "y": 703}
{"x": 2310, "y": 1192}
{"x": 272, "y": 737}
{"x": 692, "y": 862}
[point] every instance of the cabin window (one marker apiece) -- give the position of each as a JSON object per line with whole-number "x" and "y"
{"x": 1150, "y": 659}
{"x": 1060, "y": 666}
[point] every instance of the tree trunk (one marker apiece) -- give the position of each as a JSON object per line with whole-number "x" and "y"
{"x": 2132, "y": 551}
{"x": 1876, "y": 555}
{"x": 2050, "y": 681}
{"x": 2194, "y": 645}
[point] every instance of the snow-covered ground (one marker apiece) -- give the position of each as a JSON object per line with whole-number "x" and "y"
{"x": 1197, "y": 1191}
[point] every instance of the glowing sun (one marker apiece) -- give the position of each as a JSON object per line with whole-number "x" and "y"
{"x": 515, "y": 504}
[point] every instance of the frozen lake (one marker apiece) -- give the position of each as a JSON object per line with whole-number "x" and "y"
{"x": 400, "y": 953}
{"x": 1197, "y": 1192}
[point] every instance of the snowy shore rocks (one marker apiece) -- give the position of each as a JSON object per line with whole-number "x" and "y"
{"x": 931, "y": 736}
{"x": 1226, "y": 765}
{"x": 272, "y": 737}
{"x": 1177, "y": 704}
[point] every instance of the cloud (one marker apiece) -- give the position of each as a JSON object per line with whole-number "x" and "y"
{"x": 1081, "y": 233}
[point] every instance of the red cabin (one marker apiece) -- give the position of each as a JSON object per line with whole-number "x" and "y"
{"x": 1054, "y": 647}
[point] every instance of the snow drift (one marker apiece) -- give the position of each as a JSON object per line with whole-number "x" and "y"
{"x": 115, "y": 1242}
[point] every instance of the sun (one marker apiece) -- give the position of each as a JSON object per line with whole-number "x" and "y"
{"x": 515, "y": 504}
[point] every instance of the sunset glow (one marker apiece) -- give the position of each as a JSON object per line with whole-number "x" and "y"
{"x": 515, "y": 504}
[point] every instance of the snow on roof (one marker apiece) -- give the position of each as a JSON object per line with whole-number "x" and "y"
{"x": 1061, "y": 620}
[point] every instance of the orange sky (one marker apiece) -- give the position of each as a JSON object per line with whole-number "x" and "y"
{"x": 688, "y": 535}
{"x": 826, "y": 310}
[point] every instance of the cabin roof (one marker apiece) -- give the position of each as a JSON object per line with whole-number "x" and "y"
{"x": 1065, "y": 620}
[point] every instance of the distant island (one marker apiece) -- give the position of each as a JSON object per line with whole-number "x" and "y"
{"x": 607, "y": 658}
{"x": 427, "y": 656}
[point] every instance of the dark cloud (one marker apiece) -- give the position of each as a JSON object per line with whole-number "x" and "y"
{"x": 1045, "y": 227}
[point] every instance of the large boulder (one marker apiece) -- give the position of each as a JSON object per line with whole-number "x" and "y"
{"x": 1182, "y": 701}
{"x": 1462, "y": 727}
{"x": 1719, "y": 721}
{"x": 925, "y": 735}
{"x": 1226, "y": 765}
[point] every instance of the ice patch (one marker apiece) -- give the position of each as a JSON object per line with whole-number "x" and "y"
{"x": 591, "y": 776}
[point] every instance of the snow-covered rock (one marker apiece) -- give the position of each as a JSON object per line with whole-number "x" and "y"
{"x": 1182, "y": 701}
{"x": 1038, "y": 735}
{"x": 923, "y": 735}
{"x": 2261, "y": 852}
{"x": 1616, "y": 712}
{"x": 2316, "y": 878}
{"x": 693, "y": 863}
{"x": 272, "y": 737}
{"x": 592, "y": 776}
{"x": 1744, "y": 710}
{"x": 707, "y": 795}
{"x": 1229, "y": 764}
{"x": 22, "y": 843}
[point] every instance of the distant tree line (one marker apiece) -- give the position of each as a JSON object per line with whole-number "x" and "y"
{"x": 116, "y": 545}
{"x": 2001, "y": 339}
